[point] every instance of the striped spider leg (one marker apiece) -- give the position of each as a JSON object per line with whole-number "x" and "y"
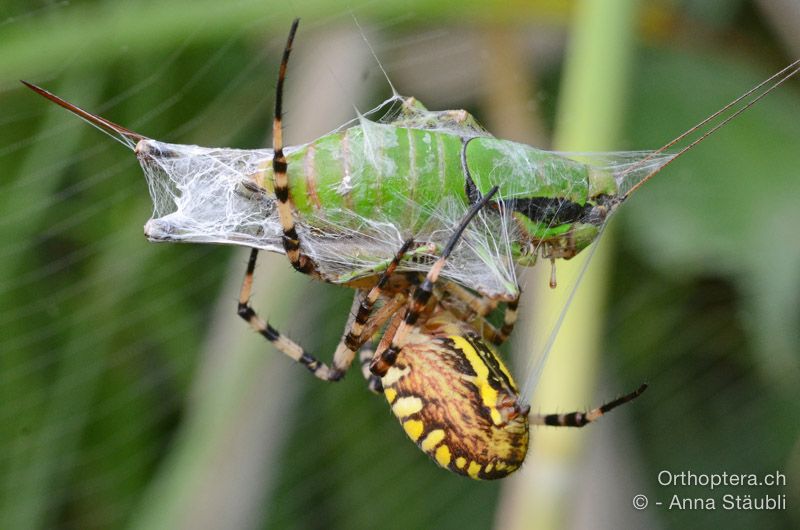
{"x": 285, "y": 206}
{"x": 364, "y": 300}
{"x": 360, "y": 327}
{"x": 479, "y": 308}
{"x": 291, "y": 239}
{"x": 384, "y": 359}
{"x": 579, "y": 418}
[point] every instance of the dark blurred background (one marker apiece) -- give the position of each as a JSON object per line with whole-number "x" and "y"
{"x": 131, "y": 395}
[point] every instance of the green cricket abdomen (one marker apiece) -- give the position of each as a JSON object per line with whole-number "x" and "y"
{"x": 377, "y": 172}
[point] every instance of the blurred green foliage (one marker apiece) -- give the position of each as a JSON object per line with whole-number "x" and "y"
{"x": 704, "y": 260}
{"x": 100, "y": 329}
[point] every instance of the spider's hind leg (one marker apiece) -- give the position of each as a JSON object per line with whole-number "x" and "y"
{"x": 579, "y": 418}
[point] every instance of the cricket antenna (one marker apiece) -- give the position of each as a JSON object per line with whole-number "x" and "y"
{"x": 757, "y": 92}
{"x": 119, "y": 133}
{"x": 375, "y": 56}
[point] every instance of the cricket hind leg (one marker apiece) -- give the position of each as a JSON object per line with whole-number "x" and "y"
{"x": 581, "y": 418}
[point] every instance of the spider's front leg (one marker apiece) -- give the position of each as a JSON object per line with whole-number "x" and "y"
{"x": 291, "y": 239}
{"x": 385, "y": 358}
{"x": 365, "y": 321}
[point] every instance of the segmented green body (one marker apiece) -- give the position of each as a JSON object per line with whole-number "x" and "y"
{"x": 376, "y": 170}
{"x": 357, "y": 193}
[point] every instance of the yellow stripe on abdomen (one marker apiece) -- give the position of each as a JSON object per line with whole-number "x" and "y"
{"x": 487, "y": 393}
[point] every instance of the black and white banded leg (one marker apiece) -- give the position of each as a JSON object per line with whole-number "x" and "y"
{"x": 581, "y": 418}
{"x": 363, "y": 318}
{"x": 291, "y": 239}
{"x": 358, "y": 330}
{"x": 281, "y": 342}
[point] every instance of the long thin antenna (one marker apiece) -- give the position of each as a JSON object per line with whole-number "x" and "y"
{"x": 374, "y": 55}
{"x": 786, "y": 72}
{"x": 119, "y": 133}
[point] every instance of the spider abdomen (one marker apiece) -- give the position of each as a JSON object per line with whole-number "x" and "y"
{"x": 457, "y": 401}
